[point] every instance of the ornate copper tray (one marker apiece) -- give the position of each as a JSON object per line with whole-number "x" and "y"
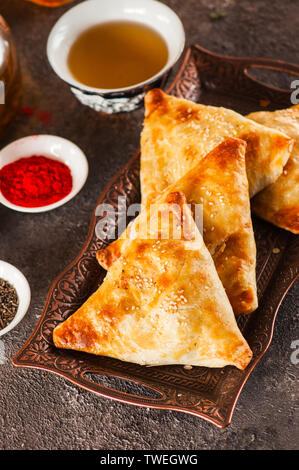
{"x": 209, "y": 393}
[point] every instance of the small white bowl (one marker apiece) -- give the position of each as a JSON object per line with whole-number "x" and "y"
{"x": 151, "y": 13}
{"x": 53, "y": 147}
{"x": 12, "y": 275}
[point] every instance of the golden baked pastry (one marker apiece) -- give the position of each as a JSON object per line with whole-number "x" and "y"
{"x": 161, "y": 302}
{"x": 177, "y": 133}
{"x": 218, "y": 183}
{"x": 279, "y": 202}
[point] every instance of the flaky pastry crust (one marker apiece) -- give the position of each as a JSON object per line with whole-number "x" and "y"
{"x": 279, "y": 202}
{"x": 161, "y": 302}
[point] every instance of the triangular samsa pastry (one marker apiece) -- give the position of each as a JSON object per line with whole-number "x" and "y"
{"x": 279, "y": 202}
{"x": 161, "y": 302}
{"x": 218, "y": 183}
{"x": 177, "y": 133}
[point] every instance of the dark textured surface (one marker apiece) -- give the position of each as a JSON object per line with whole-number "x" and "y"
{"x": 41, "y": 411}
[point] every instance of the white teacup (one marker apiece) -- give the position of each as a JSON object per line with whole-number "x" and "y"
{"x": 92, "y": 12}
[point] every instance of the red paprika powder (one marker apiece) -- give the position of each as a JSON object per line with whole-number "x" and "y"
{"x": 35, "y": 181}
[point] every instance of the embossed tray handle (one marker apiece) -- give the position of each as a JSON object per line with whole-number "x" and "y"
{"x": 224, "y": 69}
{"x": 266, "y": 64}
{"x": 120, "y": 395}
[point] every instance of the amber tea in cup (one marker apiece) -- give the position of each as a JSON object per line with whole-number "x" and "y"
{"x": 111, "y": 52}
{"x": 117, "y": 54}
{"x": 50, "y": 3}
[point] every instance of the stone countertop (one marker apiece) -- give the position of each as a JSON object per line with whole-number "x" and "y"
{"x": 39, "y": 410}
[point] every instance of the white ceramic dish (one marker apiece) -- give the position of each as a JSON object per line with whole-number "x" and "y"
{"x": 9, "y": 273}
{"x": 53, "y": 147}
{"x": 89, "y": 13}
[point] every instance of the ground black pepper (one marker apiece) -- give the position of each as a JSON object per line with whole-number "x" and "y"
{"x": 8, "y": 303}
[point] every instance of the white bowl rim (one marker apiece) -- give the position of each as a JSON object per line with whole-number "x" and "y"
{"x": 24, "y": 294}
{"x": 75, "y": 190}
{"x": 114, "y": 91}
